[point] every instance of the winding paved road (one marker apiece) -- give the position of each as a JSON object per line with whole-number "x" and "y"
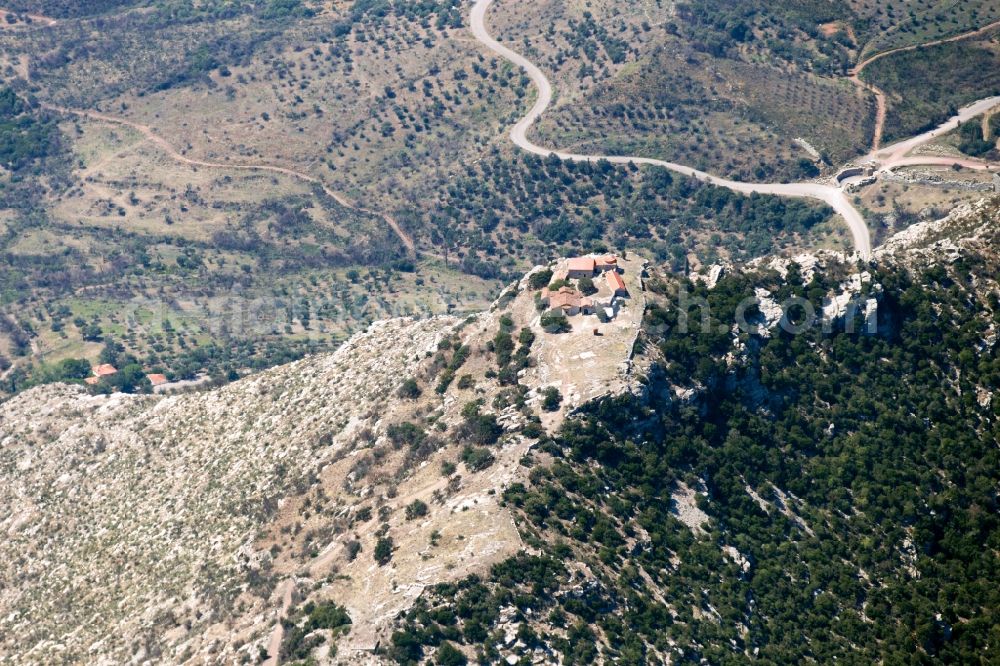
{"x": 833, "y": 196}
{"x": 887, "y": 158}
{"x": 895, "y": 155}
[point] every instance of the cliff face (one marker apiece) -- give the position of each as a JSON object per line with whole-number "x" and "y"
{"x": 184, "y": 528}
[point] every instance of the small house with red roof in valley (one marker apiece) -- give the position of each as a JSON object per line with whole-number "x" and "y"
{"x": 100, "y": 372}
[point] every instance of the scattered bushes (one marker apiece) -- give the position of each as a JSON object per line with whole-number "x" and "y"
{"x": 551, "y": 399}
{"x": 539, "y": 279}
{"x": 277, "y": 10}
{"x": 449, "y": 655}
{"x": 326, "y": 615}
{"x": 405, "y": 433}
{"x": 458, "y": 359}
{"x": 300, "y": 640}
{"x": 503, "y": 347}
{"x": 477, "y": 458}
{"x": 479, "y": 428}
{"x": 416, "y": 509}
{"x": 554, "y": 321}
{"x": 383, "y": 550}
{"x": 409, "y": 390}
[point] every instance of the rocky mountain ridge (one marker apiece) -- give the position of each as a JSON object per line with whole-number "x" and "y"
{"x": 797, "y": 494}
{"x": 187, "y": 527}
{"x": 200, "y": 528}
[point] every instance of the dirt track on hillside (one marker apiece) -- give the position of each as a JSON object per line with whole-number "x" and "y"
{"x": 173, "y": 153}
{"x": 35, "y": 18}
{"x": 880, "y": 98}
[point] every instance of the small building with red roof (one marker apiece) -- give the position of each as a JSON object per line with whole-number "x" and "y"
{"x": 606, "y": 263}
{"x": 157, "y": 379}
{"x": 616, "y": 284}
{"x": 104, "y": 370}
{"x": 579, "y": 267}
{"x": 568, "y": 300}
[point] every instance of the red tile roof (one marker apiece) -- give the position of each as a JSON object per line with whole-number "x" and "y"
{"x": 615, "y": 281}
{"x": 104, "y": 370}
{"x": 157, "y": 379}
{"x": 581, "y": 264}
{"x": 91, "y": 380}
{"x": 565, "y": 298}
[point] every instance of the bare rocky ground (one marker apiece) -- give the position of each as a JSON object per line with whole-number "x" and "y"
{"x": 146, "y": 529}
{"x": 970, "y": 225}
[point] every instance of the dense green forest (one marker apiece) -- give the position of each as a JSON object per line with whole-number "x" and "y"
{"x": 851, "y": 482}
